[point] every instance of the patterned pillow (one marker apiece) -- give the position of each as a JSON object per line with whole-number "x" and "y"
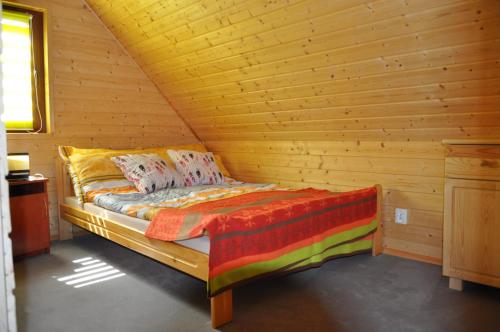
{"x": 196, "y": 167}
{"x": 148, "y": 172}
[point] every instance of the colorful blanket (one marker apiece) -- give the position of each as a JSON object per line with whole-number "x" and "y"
{"x": 146, "y": 206}
{"x": 264, "y": 233}
{"x": 255, "y": 230}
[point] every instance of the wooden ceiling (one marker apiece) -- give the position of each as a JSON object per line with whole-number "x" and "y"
{"x": 316, "y": 70}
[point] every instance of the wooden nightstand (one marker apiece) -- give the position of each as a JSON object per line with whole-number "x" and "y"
{"x": 29, "y": 211}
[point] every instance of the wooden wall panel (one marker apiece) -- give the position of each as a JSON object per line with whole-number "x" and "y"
{"x": 330, "y": 94}
{"x": 99, "y": 96}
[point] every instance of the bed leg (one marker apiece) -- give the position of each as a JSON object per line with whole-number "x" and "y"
{"x": 377, "y": 236}
{"x": 222, "y": 308}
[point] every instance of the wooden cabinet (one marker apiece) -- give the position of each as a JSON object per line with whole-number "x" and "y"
{"x": 30, "y": 216}
{"x": 471, "y": 243}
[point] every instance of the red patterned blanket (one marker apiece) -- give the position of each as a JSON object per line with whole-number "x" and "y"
{"x": 269, "y": 232}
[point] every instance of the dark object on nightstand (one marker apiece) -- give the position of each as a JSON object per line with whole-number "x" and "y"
{"x": 19, "y": 166}
{"x": 29, "y": 212}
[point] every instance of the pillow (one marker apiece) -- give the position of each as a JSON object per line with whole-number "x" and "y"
{"x": 148, "y": 172}
{"x": 91, "y": 172}
{"x": 196, "y": 167}
{"x": 92, "y": 169}
{"x": 222, "y": 168}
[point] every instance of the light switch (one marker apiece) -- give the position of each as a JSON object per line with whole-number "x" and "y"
{"x": 401, "y": 216}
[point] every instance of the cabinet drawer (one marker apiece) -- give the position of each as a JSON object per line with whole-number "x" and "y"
{"x": 473, "y": 162}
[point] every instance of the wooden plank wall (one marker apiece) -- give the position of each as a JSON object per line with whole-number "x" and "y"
{"x": 99, "y": 96}
{"x": 330, "y": 94}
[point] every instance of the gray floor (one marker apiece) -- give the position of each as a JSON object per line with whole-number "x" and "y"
{"x": 360, "y": 293}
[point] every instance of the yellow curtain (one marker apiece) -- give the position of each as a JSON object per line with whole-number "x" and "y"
{"x": 16, "y": 67}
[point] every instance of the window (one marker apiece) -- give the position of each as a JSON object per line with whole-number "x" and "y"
{"x": 23, "y": 70}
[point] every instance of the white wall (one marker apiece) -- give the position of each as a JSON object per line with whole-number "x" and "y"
{"x": 7, "y": 300}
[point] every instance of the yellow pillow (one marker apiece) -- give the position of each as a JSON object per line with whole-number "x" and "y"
{"x": 220, "y": 165}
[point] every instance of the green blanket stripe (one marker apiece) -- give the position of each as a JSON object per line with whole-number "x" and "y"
{"x": 304, "y": 253}
{"x": 343, "y": 249}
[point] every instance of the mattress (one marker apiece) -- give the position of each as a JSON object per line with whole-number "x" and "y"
{"x": 201, "y": 244}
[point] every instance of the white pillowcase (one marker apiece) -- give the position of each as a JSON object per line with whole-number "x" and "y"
{"x": 196, "y": 168}
{"x": 148, "y": 172}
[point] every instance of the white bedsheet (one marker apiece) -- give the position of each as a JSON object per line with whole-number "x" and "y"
{"x": 200, "y": 243}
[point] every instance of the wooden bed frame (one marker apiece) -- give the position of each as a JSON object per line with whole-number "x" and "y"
{"x": 190, "y": 261}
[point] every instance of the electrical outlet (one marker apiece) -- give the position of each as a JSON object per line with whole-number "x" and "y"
{"x": 401, "y": 216}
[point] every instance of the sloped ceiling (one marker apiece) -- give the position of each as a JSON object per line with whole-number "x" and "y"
{"x": 330, "y": 94}
{"x": 318, "y": 69}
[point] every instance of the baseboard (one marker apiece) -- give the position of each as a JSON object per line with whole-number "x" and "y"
{"x": 415, "y": 257}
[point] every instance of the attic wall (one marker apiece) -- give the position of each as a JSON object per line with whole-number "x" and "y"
{"x": 329, "y": 94}
{"x": 99, "y": 96}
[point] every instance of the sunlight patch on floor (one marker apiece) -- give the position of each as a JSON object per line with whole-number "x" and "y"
{"x": 90, "y": 271}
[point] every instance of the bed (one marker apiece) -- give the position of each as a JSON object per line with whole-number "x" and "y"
{"x": 190, "y": 256}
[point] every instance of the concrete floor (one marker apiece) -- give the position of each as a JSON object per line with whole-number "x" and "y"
{"x": 360, "y": 293}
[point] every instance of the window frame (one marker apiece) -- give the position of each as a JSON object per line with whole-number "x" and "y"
{"x": 40, "y": 121}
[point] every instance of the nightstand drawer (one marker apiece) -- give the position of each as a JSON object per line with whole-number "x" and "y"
{"x": 26, "y": 189}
